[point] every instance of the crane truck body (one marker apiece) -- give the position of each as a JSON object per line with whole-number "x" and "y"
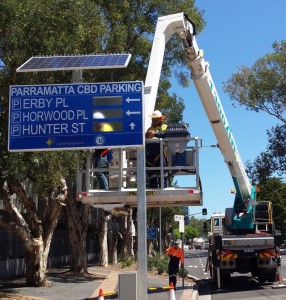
{"x": 243, "y": 239}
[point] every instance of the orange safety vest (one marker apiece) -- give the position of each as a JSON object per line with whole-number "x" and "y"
{"x": 176, "y": 252}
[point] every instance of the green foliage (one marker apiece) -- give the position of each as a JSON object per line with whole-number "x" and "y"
{"x": 183, "y": 272}
{"x": 58, "y": 27}
{"x": 195, "y": 228}
{"x": 167, "y": 214}
{"x": 30, "y": 28}
{"x": 274, "y": 190}
{"x": 262, "y": 86}
{"x": 158, "y": 263}
{"x": 273, "y": 160}
{"x": 126, "y": 262}
{"x": 192, "y": 232}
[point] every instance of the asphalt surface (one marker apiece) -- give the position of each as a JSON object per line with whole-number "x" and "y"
{"x": 63, "y": 286}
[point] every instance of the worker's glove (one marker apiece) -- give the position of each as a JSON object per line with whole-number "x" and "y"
{"x": 182, "y": 266}
{"x": 150, "y": 134}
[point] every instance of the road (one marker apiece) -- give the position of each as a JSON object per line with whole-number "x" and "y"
{"x": 240, "y": 287}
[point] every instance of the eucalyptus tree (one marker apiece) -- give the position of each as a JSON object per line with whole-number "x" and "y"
{"x": 31, "y": 28}
{"x": 261, "y": 88}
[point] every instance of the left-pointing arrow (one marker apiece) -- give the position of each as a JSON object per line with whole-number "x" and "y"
{"x": 132, "y": 100}
{"x": 133, "y": 112}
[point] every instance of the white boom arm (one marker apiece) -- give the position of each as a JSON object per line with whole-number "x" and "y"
{"x": 166, "y": 27}
{"x": 179, "y": 23}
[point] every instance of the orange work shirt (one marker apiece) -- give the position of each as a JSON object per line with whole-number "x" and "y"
{"x": 176, "y": 252}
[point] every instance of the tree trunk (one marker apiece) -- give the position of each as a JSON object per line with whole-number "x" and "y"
{"x": 126, "y": 249}
{"x": 36, "y": 264}
{"x": 102, "y": 235}
{"x": 78, "y": 258}
{"x": 112, "y": 241}
{"x": 35, "y": 234}
{"x": 77, "y": 221}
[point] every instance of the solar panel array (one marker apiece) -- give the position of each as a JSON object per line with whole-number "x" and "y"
{"x": 74, "y": 62}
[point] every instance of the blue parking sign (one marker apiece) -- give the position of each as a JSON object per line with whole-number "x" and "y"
{"x": 72, "y": 116}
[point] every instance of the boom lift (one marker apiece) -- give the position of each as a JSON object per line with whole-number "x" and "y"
{"x": 246, "y": 240}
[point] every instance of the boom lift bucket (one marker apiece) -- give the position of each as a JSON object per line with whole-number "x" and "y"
{"x": 122, "y": 175}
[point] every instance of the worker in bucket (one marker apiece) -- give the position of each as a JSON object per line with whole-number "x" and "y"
{"x": 157, "y": 130}
{"x": 176, "y": 255}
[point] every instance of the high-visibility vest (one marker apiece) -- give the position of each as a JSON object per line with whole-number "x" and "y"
{"x": 176, "y": 252}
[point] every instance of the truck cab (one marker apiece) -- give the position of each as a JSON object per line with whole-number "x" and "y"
{"x": 217, "y": 223}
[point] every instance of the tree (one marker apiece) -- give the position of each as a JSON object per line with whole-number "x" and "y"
{"x": 22, "y": 36}
{"x": 77, "y": 223}
{"x": 277, "y": 148}
{"x": 273, "y": 160}
{"x": 191, "y": 232}
{"x": 30, "y": 28}
{"x": 262, "y": 86}
{"x": 34, "y": 228}
{"x": 274, "y": 190}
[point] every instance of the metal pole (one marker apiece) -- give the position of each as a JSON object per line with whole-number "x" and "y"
{"x": 160, "y": 231}
{"x": 183, "y": 268}
{"x": 77, "y": 77}
{"x": 142, "y": 225}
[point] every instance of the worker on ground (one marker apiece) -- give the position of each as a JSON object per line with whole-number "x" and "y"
{"x": 157, "y": 130}
{"x": 176, "y": 256}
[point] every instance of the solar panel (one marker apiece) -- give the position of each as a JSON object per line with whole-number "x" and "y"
{"x": 74, "y": 62}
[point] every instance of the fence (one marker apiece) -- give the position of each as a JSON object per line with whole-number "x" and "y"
{"x": 12, "y": 252}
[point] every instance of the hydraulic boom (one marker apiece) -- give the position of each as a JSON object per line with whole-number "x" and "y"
{"x": 200, "y": 73}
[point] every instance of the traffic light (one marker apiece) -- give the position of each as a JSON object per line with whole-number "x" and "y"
{"x": 204, "y": 211}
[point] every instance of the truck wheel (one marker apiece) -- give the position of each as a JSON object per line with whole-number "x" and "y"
{"x": 225, "y": 279}
{"x": 262, "y": 278}
{"x": 271, "y": 277}
{"x": 212, "y": 270}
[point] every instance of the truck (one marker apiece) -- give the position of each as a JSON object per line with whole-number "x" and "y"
{"x": 199, "y": 243}
{"x": 244, "y": 238}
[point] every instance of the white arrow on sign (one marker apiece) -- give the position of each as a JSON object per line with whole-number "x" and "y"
{"x": 132, "y": 125}
{"x": 132, "y": 100}
{"x": 133, "y": 112}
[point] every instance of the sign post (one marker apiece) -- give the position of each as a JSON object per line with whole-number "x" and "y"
{"x": 142, "y": 221}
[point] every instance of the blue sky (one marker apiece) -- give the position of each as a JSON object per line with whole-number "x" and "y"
{"x": 237, "y": 33}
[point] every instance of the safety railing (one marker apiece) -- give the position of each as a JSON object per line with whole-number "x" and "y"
{"x": 165, "y": 159}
